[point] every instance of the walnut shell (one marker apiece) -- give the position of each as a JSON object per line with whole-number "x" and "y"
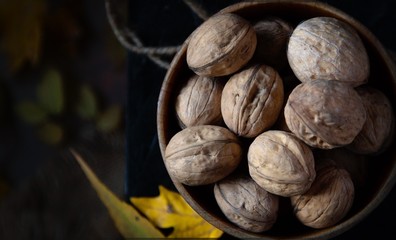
{"x": 325, "y": 114}
{"x": 252, "y": 100}
{"x": 329, "y": 49}
{"x": 246, "y": 204}
{"x": 281, "y": 163}
{"x": 379, "y": 123}
{"x": 272, "y": 38}
{"x": 202, "y": 155}
{"x": 221, "y": 45}
{"x": 327, "y": 201}
{"x": 198, "y": 102}
{"x": 357, "y": 165}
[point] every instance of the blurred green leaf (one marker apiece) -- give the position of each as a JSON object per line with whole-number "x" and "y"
{"x": 87, "y": 106}
{"x": 50, "y": 92}
{"x": 50, "y": 133}
{"x": 109, "y": 119}
{"x": 30, "y": 112}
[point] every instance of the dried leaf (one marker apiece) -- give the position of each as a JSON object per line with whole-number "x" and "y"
{"x": 109, "y": 119}
{"x": 31, "y": 112}
{"x": 50, "y": 92}
{"x": 51, "y": 133}
{"x": 21, "y": 25}
{"x": 87, "y": 107}
{"x": 126, "y": 218}
{"x": 170, "y": 210}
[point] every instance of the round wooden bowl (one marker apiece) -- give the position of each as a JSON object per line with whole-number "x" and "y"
{"x": 382, "y": 169}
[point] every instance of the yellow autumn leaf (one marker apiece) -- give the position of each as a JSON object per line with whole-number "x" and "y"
{"x": 129, "y": 222}
{"x": 169, "y": 209}
{"x": 21, "y": 30}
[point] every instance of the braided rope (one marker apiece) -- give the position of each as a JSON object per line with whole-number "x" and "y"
{"x": 197, "y": 9}
{"x": 131, "y": 41}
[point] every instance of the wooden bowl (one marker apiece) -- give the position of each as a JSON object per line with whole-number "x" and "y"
{"x": 382, "y": 169}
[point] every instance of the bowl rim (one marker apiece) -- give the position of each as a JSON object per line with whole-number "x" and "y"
{"x": 164, "y": 100}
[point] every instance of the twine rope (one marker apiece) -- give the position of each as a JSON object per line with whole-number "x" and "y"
{"x": 129, "y": 39}
{"x": 197, "y": 9}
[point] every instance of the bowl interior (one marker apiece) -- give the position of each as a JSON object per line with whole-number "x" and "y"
{"x": 382, "y": 168}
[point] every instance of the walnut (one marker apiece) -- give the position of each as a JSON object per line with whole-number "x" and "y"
{"x": 280, "y": 123}
{"x": 252, "y": 100}
{"x": 272, "y": 38}
{"x": 357, "y": 165}
{"x": 221, "y": 45}
{"x": 325, "y": 114}
{"x": 281, "y": 163}
{"x": 202, "y": 155}
{"x": 377, "y": 130}
{"x": 328, "y": 49}
{"x": 198, "y": 102}
{"x": 327, "y": 201}
{"x": 246, "y": 204}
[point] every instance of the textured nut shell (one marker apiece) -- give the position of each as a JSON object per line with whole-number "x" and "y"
{"x": 281, "y": 163}
{"x": 221, "y": 45}
{"x": 246, "y": 204}
{"x": 272, "y": 38}
{"x": 252, "y": 100}
{"x": 329, "y": 49}
{"x": 198, "y": 102}
{"x": 378, "y": 126}
{"x": 325, "y": 114}
{"x": 357, "y": 165}
{"x": 327, "y": 201}
{"x": 202, "y": 154}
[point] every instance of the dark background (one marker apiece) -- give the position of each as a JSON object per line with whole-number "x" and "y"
{"x": 43, "y": 192}
{"x": 166, "y": 23}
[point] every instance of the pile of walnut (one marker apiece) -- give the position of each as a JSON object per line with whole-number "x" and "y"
{"x": 246, "y": 90}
